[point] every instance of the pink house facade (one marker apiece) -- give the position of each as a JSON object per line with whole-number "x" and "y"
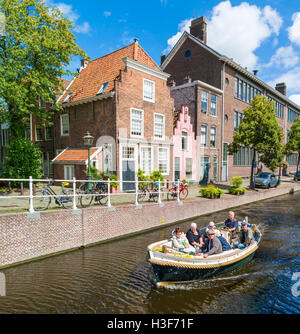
{"x": 185, "y": 147}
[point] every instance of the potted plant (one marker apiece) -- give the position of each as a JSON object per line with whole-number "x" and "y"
{"x": 211, "y": 192}
{"x": 113, "y": 183}
{"x": 236, "y": 188}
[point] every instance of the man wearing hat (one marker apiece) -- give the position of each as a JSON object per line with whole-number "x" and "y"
{"x": 212, "y": 244}
{"x": 245, "y": 238}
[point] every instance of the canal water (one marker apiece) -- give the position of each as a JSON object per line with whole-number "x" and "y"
{"x": 114, "y": 277}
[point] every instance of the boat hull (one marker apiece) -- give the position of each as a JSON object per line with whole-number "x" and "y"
{"x": 173, "y": 274}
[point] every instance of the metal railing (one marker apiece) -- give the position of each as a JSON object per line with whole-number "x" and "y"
{"x": 152, "y": 188}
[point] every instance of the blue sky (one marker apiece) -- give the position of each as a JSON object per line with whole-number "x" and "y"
{"x": 263, "y": 35}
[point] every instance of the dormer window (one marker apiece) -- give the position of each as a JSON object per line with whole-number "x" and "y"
{"x": 102, "y": 89}
{"x": 68, "y": 97}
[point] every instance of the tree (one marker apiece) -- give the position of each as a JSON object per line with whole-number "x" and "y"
{"x": 23, "y": 160}
{"x": 293, "y": 144}
{"x": 35, "y": 50}
{"x": 259, "y": 130}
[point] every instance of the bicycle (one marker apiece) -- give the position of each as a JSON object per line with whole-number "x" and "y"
{"x": 97, "y": 192}
{"x": 64, "y": 199}
{"x": 173, "y": 192}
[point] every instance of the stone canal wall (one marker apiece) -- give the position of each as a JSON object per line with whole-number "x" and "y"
{"x": 24, "y": 239}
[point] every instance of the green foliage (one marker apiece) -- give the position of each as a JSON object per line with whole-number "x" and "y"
{"x": 259, "y": 130}
{"x": 156, "y": 175}
{"x": 23, "y": 160}
{"x": 293, "y": 144}
{"x": 113, "y": 178}
{"x": 142, "y": 177}
{"x": 34, "y": 53}
{"x": 211, "y": 192}
{"x": 236, "y": 181}
{"x": 236, "y": 190}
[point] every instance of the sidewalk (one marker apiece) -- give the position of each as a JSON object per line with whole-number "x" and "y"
{"x": 22, "y": 204}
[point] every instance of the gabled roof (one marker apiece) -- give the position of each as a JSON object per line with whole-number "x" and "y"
{"x": 103, "y": 71}
{"x": 229, "y": 62}
{"x": 76, "y": 155}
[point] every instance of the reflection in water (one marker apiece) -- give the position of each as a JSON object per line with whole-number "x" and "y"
{"x": 116, "y": 278}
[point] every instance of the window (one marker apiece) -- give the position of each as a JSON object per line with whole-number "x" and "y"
{"x": 278, "y": 107}
{"x": 236, "y": 90}
{"x": 215, "y": 169}
{"x": 238, "y": 117}
{"x": 184, "y": 140}
{"x": 204, "y": 101}
{"x": 39, "y": 133}
{"x": 243, "y": 157}
{"x": 213, "y": 105}
{"x": 292, "y": 159}
{"x": 213, "y": 137}
{"x": 245, "y": 91}
{"x": 240, "y": 89}
{"x": 159, "y": 126}
{"x": 146, "y": 160}
{"x": 48, "y": 133}
{"x": 249, "y": 94}
{"x": 177, "y": 169}
{"x": 189, "y": 168}
{"x": 47, "y": 164}
{"x": 203, "y": 138}
{"x": 27, "y": 133}
{"x": 149, "y": 90}
{"x": 69, "y": 172}
{"x": 102, "y": 88}
{"x": 127, "y": 153}
{"x": 163, "y": 161}
{"x": 292, "y": 115}
{"x": 64, "y": 125}
{"x": 137, "y": 122}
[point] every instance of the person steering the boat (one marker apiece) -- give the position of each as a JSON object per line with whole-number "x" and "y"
{"x": 245, "y": 238}
{"x": 212, "y": 245}
{"x": 231, "y": 223}
{"x": 194, "y": 237}
{"x": 180, "y": 241}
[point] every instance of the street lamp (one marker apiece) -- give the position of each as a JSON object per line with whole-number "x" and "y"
{"x": 88, "y": 142}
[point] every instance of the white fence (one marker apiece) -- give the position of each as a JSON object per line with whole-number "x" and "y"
{"x": 72, "y": 197}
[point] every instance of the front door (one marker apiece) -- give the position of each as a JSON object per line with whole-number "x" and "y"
{"x": 177, "y": 169}
{"x": 128, "y": 174}
{"x": 225, "y": 163}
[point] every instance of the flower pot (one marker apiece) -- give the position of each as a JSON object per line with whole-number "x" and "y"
{"x": 113, "y": 189}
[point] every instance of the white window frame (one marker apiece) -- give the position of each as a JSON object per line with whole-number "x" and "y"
{"x": 206, "y": 133}
{"x": 141, "y": 158}
{"x": 65, "y": 171}
{"x": 204, "y": 92}
{"x": 213, "y": 127}
{"x": 164, "y": 127}
{"x": 168, "y": 159}
{"x": 216, "y": 105}
{"x": 61, "y": 125}
{"x": 36, "y": 132}
{"x": 142, "y": 128}
{"x": 145, "y": 98}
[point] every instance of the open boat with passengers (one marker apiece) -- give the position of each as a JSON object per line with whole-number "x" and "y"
{"x": 171, "y": 266}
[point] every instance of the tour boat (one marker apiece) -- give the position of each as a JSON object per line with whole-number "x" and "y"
{"x": 176, "y": 267}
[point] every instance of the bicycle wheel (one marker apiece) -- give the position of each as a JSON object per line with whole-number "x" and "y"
{"x": 171, "y": 194}
{"x": 183, "y": 193}
{"x": 85, "y": 196}
{"x": 66, "y": 201}
{"x": 142, "y": 195}
{"x": 101, "y": 194}
{"x": 41, "y": 203}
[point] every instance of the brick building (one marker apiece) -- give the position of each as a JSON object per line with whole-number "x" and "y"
{"x": 192, "y": 58}
{"x": 124, "y": 101}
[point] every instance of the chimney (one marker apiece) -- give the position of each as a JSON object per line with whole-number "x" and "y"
{"x": 198, "y": 29}
{"x": 162, "y": 59}
{"x": 187, "y": 79}
{"x": 135, "y": 50}
{"x": 172, "y": 83}
{"x": 255, "y": 72}
{"x": 84, "y": 63}
{"x": 281, "y": 87}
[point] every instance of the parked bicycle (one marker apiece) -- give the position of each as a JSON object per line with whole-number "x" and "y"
{"x": 64, "y": 199}
{"x": 150, "y": 194}
{"x": 97, "y": 191}
{"x": 173, "y": 192}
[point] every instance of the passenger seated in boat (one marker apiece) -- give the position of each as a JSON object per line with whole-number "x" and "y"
{"x": 180, "y": 241}
{"x": 231, "y": 223}
{"x": 245, "y": 238}
{"x": 213, "y": 244}
{"x": 224, "y": 243}
{"x": 203, "y": 238}
{"x": 194, "y": 235}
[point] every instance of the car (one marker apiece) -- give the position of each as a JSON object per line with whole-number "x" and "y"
{"x": 265, "y": 180}
{"x": 297, "y": 176}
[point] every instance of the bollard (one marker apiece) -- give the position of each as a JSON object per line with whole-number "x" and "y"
{"x": 31, "y": 209}
{"x": 74, "y": 194}
{"x": 108, "y": 194}
{"x": 178, "y": 192}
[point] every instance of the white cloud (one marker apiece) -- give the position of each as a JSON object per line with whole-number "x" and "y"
{"x": 107, "y": 14}
{"x": 295, "y": 98}
{"x": 125, "y": 38}
{"x": 71, "y": 15}
{"x": 291, "y": 78}
{"x": 294, "y": 30}
{"x": 237, "y": 31}
{"x": 285, "y": 57}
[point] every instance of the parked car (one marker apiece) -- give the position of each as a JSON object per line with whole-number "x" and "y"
{"x": 265, "y": 180}
{"x": 297, "y": 176}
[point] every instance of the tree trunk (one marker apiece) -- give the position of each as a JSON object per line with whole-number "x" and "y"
{"x": 252, "y": 171}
